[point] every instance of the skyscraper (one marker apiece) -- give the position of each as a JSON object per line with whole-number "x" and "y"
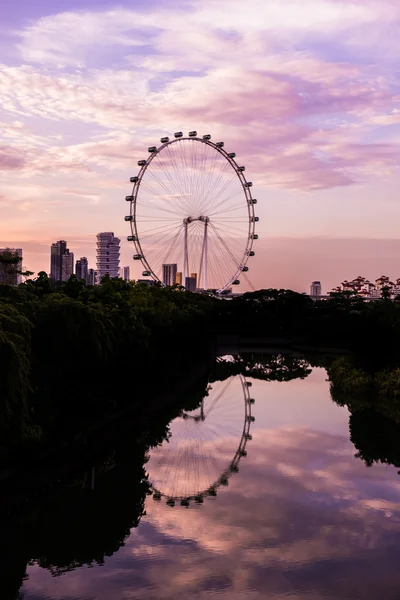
{"x": 81, "y": 269}
{"x": 107, "y": 255}
{"x": 58, "y": 249}
{"x": 127, "y": 274}
{"x": 194, "y": 276}
{"x": 190, "y": 284}
{"x": 9, "y": 268}
{"x": 179, "y": 278}
{"x": 315, "y": 288}
{"x": 91, "y": 277}
{"x": 67, "y": 265}
{"x": 169, "y": 273}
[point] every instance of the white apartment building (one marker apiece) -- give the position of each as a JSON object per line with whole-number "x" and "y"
{"x": 108, "y": 248}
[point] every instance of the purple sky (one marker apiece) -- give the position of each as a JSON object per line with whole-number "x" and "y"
{"x": 305, "y": 92}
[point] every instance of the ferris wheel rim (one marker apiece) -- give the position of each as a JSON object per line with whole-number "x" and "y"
{"x": 230, "y": 470}
{"x": 245, "y": 188}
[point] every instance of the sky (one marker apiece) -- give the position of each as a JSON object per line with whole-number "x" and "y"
{"x": 306, "y": 92}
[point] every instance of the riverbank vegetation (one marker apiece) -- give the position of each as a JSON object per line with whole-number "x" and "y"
{"x": 73, "y": 355}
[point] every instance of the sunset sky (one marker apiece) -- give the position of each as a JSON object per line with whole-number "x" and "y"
{"x": 306, "y": 92}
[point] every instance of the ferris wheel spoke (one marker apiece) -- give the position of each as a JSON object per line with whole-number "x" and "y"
{"x": 155, "y": 186}
{"x": 157, "y": 230}
{"x": 227, "y": 199}
{"x": 165, "y": 252}
{"x": 237, "y": 207}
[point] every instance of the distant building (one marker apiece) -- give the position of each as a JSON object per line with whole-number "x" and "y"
{"x": 9, "y": 269}
{"x": 169, "y": 274}
{"x": 57, "y": 251}
{"x": 108, "y": 248}
{"x": 67, "y": 265}
{"x": 126, "y": 274}
{"x": 81, "y": 269}
{"x": 91, "y": 277}
{"x": 179, "y": 278}
{"x": 315, "y": 288}
{"x": 194, "y": 276}
{"x": 190, "y": 284}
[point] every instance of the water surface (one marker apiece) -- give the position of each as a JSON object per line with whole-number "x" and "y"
{"x": 298, "y": 517}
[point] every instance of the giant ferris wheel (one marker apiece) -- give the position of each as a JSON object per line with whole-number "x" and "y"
{"x": 192, "y": 214}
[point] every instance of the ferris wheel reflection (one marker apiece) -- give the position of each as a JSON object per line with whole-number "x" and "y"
{"x": 204, "y": 447}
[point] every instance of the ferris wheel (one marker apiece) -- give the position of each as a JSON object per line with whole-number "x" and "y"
{"x": 192, "y": 214}
{"x": 204, "y": 447}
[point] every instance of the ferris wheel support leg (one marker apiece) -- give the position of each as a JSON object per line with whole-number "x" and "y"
{"x": 185, "y": 254}
{"x": 206, "y": 255}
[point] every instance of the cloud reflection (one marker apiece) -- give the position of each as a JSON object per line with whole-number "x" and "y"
{"x": 303, "y": 519}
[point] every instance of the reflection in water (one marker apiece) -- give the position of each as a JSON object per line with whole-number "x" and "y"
{"x": 303, "y": 519}
{"x": 190, "y": 465}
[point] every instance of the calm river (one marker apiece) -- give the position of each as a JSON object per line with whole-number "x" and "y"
{"x": 249, "y": 500}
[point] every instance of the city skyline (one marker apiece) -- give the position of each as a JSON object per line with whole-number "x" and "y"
{"x": 313, "y": 115}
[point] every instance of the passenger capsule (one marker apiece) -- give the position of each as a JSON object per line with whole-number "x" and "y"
{"x": 137, "y": 256}
{"x": 199, "y": 499}
{"x": 152, "y": 149}
{"x": 185, "y": 502}
{"x": 157, "y": 496}
{"x": 254, "y": 236}
{"x": 146, "y": 273}
{"x": 134, "y": 179}
{"x": 253, "y": 201}
{"x": 255, "y": 219}
{"x": 243, "y": 453}
{"x": 241, "y": 169}
{"x": 245, "y": 269}
{"x": 252, "y": 253}
{"x": 129, "y": 218}
{"x": 178, "y": 134}
{"x": 192, "y": 133}
{"x": 232, "y": 154}
{"x": 171, "y": 502}
{"x": 224, "y": 480}
{"x": 251, "y": 401}
{"x": 220, "y": 144}
{"x": 129, "y": 198}
{"x": 248, "y": 184}
{"x": 132, "y": 238}
{"x": 207, "y": 137}
{"x": 236, "y": 282}
{"x": 234, "y": 469}
{"x": 141, "y": 163}
{"x": 248, "y": 384}
{"x": 164, "y": 140}
{"x": 248, "y": 437}
{"x": 212, "y": 492}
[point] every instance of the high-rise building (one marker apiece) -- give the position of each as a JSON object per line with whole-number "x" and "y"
{"x": 91, "y": 277}
{"x": 169, "y": 274}
{"x": 126, "y": 274}
{"x": 67, "y": 265}
{"x": 315, "y": 288}
{"x": 194, "y": 276}
{"x": 190, "y": 284}
{"x": 81, "y": 268}
{"x": 179, "y": 278}
{"x": 9, "y": 266}
{"x": 107, "y": 255}
{"x": 58, "y": 249}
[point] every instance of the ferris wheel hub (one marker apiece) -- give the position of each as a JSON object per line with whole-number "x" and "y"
{"x": 202, "y": 218}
